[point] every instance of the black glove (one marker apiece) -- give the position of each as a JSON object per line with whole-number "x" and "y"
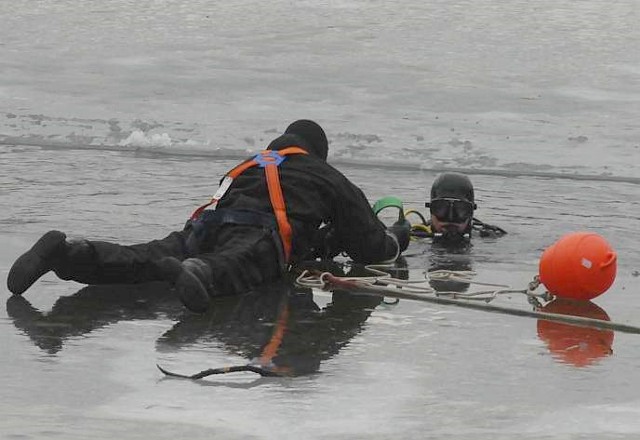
{"x": 325, "y": 243}
{"x": 402, "y": 231}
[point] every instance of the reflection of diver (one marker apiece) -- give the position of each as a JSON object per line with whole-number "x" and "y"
{"x": 249, "y": 325}
{"x": 91, "y": 308}
{"x": 245, "y": 324}
{"x": 445, "y": 258}
{"x": 575, "y": 345}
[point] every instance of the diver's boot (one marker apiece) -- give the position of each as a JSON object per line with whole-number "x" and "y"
{"x": 37, "y": 261}
{"x": 191, "y": 278}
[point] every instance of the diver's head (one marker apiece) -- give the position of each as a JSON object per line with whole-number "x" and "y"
{"x": 452, "y": 205}
{"x": 305, "y": 134}
{"x": 313, "y": 134}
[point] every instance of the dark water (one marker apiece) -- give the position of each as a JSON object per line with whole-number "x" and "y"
{"x": 81, "y": 361}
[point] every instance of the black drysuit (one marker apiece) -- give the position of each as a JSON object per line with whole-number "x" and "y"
{"x": 241, "y": 243}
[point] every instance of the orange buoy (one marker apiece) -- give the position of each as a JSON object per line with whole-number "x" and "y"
{"x": 575, "y": 345}
{"x": 580, "y": 265}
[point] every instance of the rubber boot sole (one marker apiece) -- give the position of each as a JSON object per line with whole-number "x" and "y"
{"x": 34, "y": 263}
{"x": 188, "y": 287}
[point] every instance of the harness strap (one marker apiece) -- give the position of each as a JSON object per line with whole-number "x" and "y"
{"x": 269, "y": 160}
{"x": 279, "y": 208}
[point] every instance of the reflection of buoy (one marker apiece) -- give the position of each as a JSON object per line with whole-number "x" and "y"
{"x": 580, "y": 265}
{"x": 575, "y": 345}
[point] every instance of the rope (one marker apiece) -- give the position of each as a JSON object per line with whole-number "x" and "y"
{"x": 385, "y": 285}
{"x": 223, "y": 370}
{"x": 381, "y": 283}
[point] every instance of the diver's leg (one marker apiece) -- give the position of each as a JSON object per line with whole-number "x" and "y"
{"x": 245, "y": 257}
{"x": 93, "y": 262}
{"x": 192, "y": 280}
{"x": 242, "y": 258}
{"x": 37, "y": 261}
{"x": 101, "y": 262}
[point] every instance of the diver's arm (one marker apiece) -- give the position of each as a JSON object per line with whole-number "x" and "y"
{"x": 362, "y": 236}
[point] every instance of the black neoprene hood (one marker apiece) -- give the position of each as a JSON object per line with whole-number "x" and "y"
{"x": 313, "y": 134}
{"x": 454, "y": 186}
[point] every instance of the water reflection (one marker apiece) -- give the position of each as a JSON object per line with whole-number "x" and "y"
{"x": 89, "y": 309}
{"x": 245, "y": 325}
{"x": 576, "y": 345}
{"x": 453, "y": 259}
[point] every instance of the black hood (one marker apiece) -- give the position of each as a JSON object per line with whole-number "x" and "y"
{"x": 306, "y": 134}
{"x": 452, "y": 185}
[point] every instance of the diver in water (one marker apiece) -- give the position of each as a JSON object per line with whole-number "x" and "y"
{"x": 452, "y": 205}
{"x": 271, "y": 211}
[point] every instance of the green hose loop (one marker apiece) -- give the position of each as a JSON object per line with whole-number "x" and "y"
{"x": 389, "y": 202}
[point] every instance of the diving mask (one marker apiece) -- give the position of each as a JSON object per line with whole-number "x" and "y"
{"x": 451, "y": 210}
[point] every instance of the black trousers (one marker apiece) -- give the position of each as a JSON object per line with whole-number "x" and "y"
{"x": 241, "y": 257}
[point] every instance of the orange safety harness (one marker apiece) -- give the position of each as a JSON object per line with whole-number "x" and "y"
{"x": 270, "y": 160}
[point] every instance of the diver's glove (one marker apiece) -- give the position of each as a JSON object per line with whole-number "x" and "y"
{"x": 487, "y": 230}
{"x": 401, "y": 229}
{"x": 325, "y": 243}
